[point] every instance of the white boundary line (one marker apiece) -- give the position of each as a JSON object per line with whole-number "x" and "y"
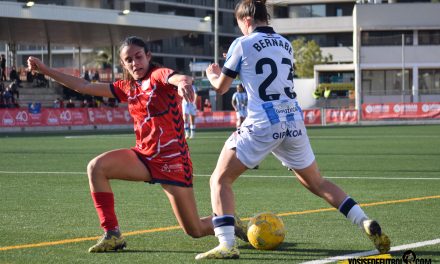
{"x": 226, "y": 137}
{"x": 375, "y": 252}
{"x": 245, "y": 176}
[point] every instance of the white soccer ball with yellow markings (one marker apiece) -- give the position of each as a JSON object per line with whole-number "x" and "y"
{"x": 266, "y": 231}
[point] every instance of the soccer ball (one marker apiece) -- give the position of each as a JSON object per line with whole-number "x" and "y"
{"x": 266, "y": 231}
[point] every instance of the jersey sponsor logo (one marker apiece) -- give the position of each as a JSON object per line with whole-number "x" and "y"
{"x": 285, "y": 108}
{"x": 172, "y": 167}
{"x": 287, "y": 133}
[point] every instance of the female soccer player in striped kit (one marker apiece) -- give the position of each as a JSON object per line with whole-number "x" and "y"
{"x": 263, "y": 61}
{"x": 161, "y": 154}
{"x": 239, "y": 103}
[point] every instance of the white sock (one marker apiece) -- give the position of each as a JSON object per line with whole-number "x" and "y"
{"x": 225, "y": 234}
{"x": 352, "y": 211}
{"x": 357, "y": 215}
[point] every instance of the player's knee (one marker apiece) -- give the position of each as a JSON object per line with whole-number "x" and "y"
{"x": 220, "y": 184}
{"x": 95, "y": 168}
{"x": 215, "y": 182}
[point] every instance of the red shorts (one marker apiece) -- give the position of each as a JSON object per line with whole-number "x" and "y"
{"x": 174, "y": 171}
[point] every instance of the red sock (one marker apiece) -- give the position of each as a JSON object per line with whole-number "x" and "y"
{"x": 105, "y": 207}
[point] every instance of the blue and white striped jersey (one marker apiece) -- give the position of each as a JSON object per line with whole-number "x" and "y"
{"x": 240, "y": 100}
{"x": 263, "y": 61}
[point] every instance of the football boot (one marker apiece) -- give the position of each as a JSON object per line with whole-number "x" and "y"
{"x": 240, "y": 229}
{"x": 222, "y": 251}
{"x": 110, "y": 241}
{"x": 379, "y": 239}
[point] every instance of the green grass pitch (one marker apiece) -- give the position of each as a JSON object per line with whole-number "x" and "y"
{"x": 47, "y": 215}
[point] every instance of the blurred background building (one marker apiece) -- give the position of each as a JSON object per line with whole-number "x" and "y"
{"x": 382, "y": 50}
{"x": 76, "y": 36}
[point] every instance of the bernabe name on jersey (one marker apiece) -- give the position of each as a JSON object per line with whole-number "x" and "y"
{"x": 272, "y": 42}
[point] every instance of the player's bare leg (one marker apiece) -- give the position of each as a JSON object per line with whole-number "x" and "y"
{"x": 311, "y": 178}
{"x": 192, "y": 126}
{"x": 186, "y": 125}
{"x": 121, "y": 164}
{"x": 185, "y": 209}
{"x": 117, "y": 164}
{"x": 228, "y": 169}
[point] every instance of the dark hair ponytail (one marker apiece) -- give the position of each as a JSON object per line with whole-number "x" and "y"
{"x": 252, "y": 8}
{"x": 137, "y": 41}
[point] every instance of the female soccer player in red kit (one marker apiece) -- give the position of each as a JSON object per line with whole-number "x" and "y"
{"x": 161, "y": 154}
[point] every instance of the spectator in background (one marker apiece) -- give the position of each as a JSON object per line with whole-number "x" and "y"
{"x": 111, "y": 102}
{"x": 98, "y": 101}
{"x": 13, "y": 76}
{"x": 189, "y": 110}
{"x": 13, "y": 87}
{"x": 58, "y": 103}
{"x": 207, "y": 106}
{"x": 3, "y": 68}
{"x": 42, "y": 81}
{"x": 86, "y": 103}
{"x": 70, "y": 104}
{"x": 2, "y": 90}
{"x": 239, "y": 103}
{"x": 8, "y": 98}
{"x": 29, "y": 76}
{"x": 39, "y": 80}
{"x": 86, "y": 74}
{"x": 34, "y": 108}
{"x": 95, "y": 77}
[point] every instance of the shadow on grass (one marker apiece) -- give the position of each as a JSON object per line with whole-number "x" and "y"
{"x": 127, "y": 251}
{"x": 287, "y": 250}
{"x": 297, "y": 252}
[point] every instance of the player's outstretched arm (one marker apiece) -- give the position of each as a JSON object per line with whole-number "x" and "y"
{"x": 78, "y": 84}
{"x": 218, "y": 80}
{"x": 184, "y": 86}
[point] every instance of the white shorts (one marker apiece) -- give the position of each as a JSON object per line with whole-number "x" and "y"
{"x": 288, "y": 142}
{"x": 189, "y": 109}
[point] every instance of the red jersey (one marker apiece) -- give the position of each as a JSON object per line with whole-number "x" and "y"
{"x": 154, "y": 105}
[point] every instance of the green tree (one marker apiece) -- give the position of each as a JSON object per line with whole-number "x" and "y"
{"x": 101, "y": 58}
{"x": 306, "y": 56}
